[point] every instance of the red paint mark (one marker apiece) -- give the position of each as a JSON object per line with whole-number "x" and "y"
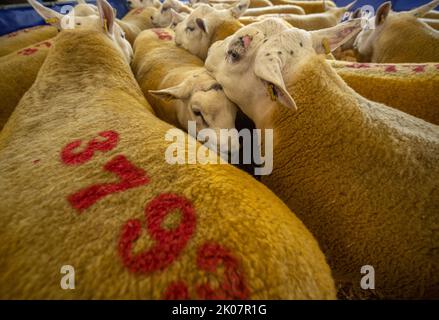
{"x": 12, "y": 34}
{"x": 177, "y": 291}
{"x": 437, "y": 66}
{"x": 358, "y": 65}
{"x": 36, "y": 161}
{"x": 44, "y": 43}
{"x": 162, "y": 34}
{"x": 130, "y": 177}
{"x": 419, "y": 69}
{"x": 71, "y": 158}
{"x": 27, "y": 51}
{"x": 233, "y": 286}
{"x": 390, "y": 68}
{"x": 169, "y": 243}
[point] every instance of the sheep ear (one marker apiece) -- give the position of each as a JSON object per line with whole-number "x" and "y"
{"x": 269, "y": 71}
{"x": 107, "y": 16}
{"x": 350, "y": 5}
{"x": 421, "y": 11}
{"x": 180, "y": 92}
{"x": 50, "y": 16}
{"x": 176, "y": 17}
{"x": 382, "y": 13}
{"x": 201, "y": 24}
{"x": 240, "y": 8}
{"x": 329, "y": 39}
{"x": 356, "y": 14}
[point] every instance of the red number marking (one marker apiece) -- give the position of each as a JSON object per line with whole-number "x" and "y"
{"x": 169, "y": 243}
{"x": 27, "y": 51}
{"x": 70, "y": 158}
{"x": 390, "y": 68}
{"x": 358, "y": 65}
{"x": 162, "y": 34}
{"x": 130, "y": 177}
{"x": 209, "y": 257}
{"x": 419, "y": 69}
{"x": 177, "y": 291}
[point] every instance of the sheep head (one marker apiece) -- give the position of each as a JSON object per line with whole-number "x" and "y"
{"x": 254, "y": 66}
{"x": 202, "y": 100}
{"x": 194, "y": 33}
{"x": 104, "y": 21}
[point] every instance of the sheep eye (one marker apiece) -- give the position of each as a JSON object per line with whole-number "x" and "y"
{"x": 233, "y": 55}
{"x": 190, "y": 29}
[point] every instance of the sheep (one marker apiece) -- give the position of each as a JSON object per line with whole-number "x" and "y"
{"x": 19, "y": 70}
{"x": 23, "y": 38}
{"x": 434, "y": 23}
{"x": 274, "y": 9}
{"x": 29, "y": 60}
{"x": 314, "y": 21}
{"x": 191, "y": 240}
{"x": 205, "y": 25}
{"x": 178, "y": 87}
{"x": 83, "y": 9}
{"x": 135, "y": 4}
{"x": 363, "y": 177}
{"x": 308, "y": 6}
{"x": 396, "y": 85}
{"x": 433, "y": 14}
{"x": 163, "y": 17}
{"x": 399, "y": 37}
{"x": 138, "y": 20}
{"x": 70, "y": 21}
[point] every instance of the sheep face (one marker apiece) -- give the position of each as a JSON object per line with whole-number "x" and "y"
{"x": 254, "y": 68}
{"x": 194, "y": 33}
{"x": 104, "y": 22}
{"x": 164, "y": 17}
{"x": 202, "y": 100}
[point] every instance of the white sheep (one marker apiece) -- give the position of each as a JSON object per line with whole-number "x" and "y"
{"x": 135, "y": 4}
{"x": 70, "y": 21}
{"x": 84, "y": 184}
{"x": 362, "y": 176}
{"x": 137, "y": 20}
{"x": 206, "y": 25}
{"x": 399, "y": 37}
{"x": 179, "y": 88}
{"x": 314, "y": 6}
{"x": 163, "y": 17}
{"x": 313, "y": 21}
{"x": 273, "y": 10}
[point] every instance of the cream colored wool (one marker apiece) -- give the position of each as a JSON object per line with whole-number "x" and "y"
{"x": 137, "y": 20}
{"x": 275, "y": 9}
{"x": 266, "y": 246}
{"x": 364, "y": 179}
{"x": 308, "y": 6}
{"x": 259, "y": 3}
{"x": 433, "y": 14}
{"x": 18, "y": 71}
{"x": 23, "y": 38}
{"x": 434, "y": 23}
{"x": 405, "y": 39}
{"x": 315, "y": 21}
{"x": 412, "y": 88}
